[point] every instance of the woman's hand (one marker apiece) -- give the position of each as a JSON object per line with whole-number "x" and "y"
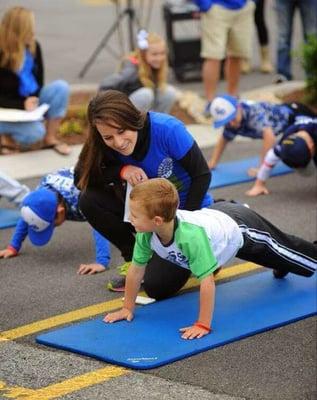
{"x": 90, "y": 269}
{"x": 124, "y": 313}
{"x": 133, "y": 175}
{"x": 30, "y": 103}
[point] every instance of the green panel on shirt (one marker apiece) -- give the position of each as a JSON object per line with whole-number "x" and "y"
{"x": 142, "y": 252}
{"x": 194, "y": 244}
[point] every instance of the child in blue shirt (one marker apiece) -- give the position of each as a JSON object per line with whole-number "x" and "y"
{"x": 256, "y": 120}
{"x": 54, "y": 201}
{"x": 297, "y": 148}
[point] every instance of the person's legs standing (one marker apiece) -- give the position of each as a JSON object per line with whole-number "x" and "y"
{"x": 259, "y": 19}
{"x": 239, "y": 44}
{"x": 263, "y": 37}
{"x": 232, "y": 74}
{"x": 215, "y": 26}
{"x": 285, "y": 14}
{"x": 308, "y": 12}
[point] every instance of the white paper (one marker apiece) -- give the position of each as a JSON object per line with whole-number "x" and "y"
{"x": 126, "y": 203}
{"x": 15, "y": 115}
{"x": 143, "y": 300}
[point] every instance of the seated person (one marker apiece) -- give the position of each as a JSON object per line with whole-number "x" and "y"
{"x": 143, "y": 75}
{"x": 257, "y": 120}
{"x": 11, "y": 189}
{"x": 53, "y": 202}
{"x": 201, "y": 241}
{"x": 22, "y": 84}
{"x": 297, "y": 148}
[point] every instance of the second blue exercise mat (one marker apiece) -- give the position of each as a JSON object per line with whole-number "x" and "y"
{"x": 8, "y": 217}
{"x": 234, "y": 172}
{"x": 243, "y": 308}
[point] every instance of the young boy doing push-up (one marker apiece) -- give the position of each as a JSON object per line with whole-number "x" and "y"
{"x": 202, "y": 241}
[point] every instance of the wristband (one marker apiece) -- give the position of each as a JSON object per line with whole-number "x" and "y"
{"x": 122, "y": 171}
{"x": 15, "y": 252}
{"x": 200, "y": 325}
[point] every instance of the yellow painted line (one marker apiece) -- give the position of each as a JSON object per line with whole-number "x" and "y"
{"x": 65, "y": 387}
{"x": 61, "y": 319}
{"x": 90, "y": 311}
{"x": 225, "y": 273}
{"x": 14, "y": 392}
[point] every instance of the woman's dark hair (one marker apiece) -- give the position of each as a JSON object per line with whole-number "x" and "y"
{"x": 109, "y": 107}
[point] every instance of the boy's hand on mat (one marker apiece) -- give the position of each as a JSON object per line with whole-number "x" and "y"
{"x": 193, "y": 332}
{"x": 90, "y": 269}
{"x": 124, "y": 313}
{"x": 8, "y": 253}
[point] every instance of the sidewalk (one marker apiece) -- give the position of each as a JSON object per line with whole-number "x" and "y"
{"x": 38, "y": 163}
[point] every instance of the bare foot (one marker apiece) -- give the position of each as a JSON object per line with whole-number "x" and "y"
{"x": 60, "y": 148}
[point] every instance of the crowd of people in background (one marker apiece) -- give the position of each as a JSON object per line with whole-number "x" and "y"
{"x": 133, "y": 139}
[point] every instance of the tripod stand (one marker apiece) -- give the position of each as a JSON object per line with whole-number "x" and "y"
{"x": 130, "y": 13}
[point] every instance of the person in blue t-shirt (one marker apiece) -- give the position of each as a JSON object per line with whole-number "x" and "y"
{"x": 127, "y": 146}
{"x": 256, "y": 120}
{"x": 54, "y": 201}
{"x": 297, "y": 148}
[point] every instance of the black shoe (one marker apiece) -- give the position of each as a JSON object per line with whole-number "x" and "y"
{"x": 279, "y": 274}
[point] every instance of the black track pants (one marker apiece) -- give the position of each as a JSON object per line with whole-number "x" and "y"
{"x": 266, "y": 245}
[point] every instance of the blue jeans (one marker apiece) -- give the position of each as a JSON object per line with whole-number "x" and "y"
{"x": 56, "y": 94}
{"x": 285, "y": 10}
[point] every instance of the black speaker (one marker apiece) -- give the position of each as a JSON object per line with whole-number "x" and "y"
{"x": 184, "y": 53}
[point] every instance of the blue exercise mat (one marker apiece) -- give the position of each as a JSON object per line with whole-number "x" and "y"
{"x": 234, "y": 172}
{"x": 8, "y": 217}
{"x": 244, "y": 307}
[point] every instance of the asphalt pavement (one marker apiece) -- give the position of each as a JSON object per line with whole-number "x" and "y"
{"x": 42, "y": 283}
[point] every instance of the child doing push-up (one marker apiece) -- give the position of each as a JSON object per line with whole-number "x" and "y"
{"x": 202, "y": 241}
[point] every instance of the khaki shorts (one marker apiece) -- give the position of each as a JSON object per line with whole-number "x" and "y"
{"x": 227, "y": 32}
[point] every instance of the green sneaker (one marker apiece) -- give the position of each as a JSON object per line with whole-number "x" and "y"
{"x": 117, "y": 284}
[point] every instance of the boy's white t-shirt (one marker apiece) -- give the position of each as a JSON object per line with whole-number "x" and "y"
{"x": 203, "y": 240}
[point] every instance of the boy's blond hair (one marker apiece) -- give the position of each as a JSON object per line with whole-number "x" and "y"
{"x": 158, "y": 197}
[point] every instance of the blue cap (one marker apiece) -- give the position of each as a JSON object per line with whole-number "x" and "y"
{"x": 223, "y": 109}
{"x": 294, "y": 152}
{"x": 39, "y": 211}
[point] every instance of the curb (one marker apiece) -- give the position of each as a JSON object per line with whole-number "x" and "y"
{"x": 38, "y": 163}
